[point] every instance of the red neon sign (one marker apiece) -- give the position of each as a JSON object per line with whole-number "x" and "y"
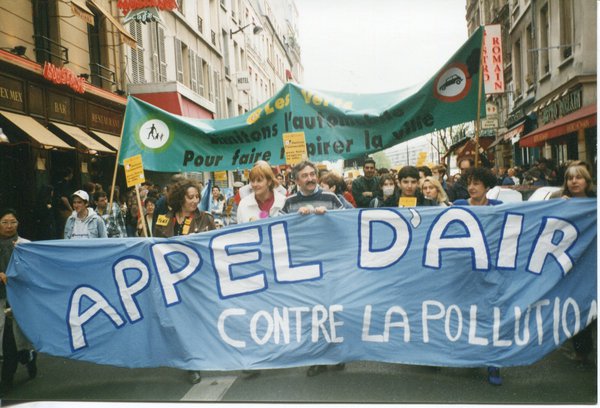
{"x": 64, "y": 76}
{"x": 128, "y": 5}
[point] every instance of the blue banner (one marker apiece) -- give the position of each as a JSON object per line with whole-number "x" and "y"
{"x": 457, "y": 286}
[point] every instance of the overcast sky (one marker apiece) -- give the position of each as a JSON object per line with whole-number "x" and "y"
{"x": 372, "y": 46}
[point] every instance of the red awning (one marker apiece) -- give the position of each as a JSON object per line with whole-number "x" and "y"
{"x": 176, "y": 103}
{"x": 514, "y": 131}
{"x": 582, "y": 119}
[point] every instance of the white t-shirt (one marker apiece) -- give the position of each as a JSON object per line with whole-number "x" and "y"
{"x": 80, "y": 230}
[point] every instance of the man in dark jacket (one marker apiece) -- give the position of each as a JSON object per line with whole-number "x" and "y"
{"x": 459, "y": 190}
{"x": 366, "y": 187}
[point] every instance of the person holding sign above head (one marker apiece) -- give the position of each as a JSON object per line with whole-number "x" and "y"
{"x": 479, "y": 180}
{"x": 264, "y": 201}
{"x": 408, "y": 180}
{"x": 184, "y": 218}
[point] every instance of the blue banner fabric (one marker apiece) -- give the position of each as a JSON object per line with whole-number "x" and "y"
{"x": 461, "y": 286}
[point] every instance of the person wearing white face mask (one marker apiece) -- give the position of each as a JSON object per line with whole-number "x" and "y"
{"x": 390, "y": 194}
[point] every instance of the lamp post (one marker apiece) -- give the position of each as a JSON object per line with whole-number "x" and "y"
{"x": 256, "y": 30}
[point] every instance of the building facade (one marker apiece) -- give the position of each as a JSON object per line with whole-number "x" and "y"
{"x": 66, "y": 68}
{"x": 550, "y": 68}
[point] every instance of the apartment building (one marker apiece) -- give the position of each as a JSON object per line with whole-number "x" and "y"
{"x": 548, "y": 108}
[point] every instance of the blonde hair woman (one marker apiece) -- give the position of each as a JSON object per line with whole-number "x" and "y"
{"x": 578, "y": 181}
{"x": 434, "y": 192}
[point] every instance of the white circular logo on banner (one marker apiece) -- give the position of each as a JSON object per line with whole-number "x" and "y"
{"x": 154, "y": 134}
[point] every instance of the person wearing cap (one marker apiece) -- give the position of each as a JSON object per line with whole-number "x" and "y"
{"x": 83, "y": 223}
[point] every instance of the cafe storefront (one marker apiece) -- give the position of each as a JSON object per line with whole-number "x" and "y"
{"x": 52, "y": 120}
{"x": 566, "y": 127}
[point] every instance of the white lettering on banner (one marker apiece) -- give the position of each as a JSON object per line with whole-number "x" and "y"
{"x": 369, "y": 258}
{"x": 276, "y": 327}
{"x": 509, "y": 243}
{"x": 545, "y": 245}
{"x": 78, "y": 319}
{"x": 474, "y": 240}
{"x": 169, "y": 278}
{"x": 388, "y": 324}
{"x": 284, "y": 271}
{"x": 223, "y": 261}
{"x": 126, "y": 291}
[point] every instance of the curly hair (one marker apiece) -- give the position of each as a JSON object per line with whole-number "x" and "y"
{"x": 177, "y": 193}
{"x": 482, "y": 174}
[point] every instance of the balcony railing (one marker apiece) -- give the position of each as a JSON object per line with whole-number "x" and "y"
{"x": 48, "y": 50}
{"x": 101, "y": 74}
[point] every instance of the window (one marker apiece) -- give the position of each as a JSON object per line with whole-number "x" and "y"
{"x": 544, "y": 34}
{"x": 517, "y": 68}
{"x": 46, "y": 36}
{"x": 193, "y": 60}
{"x": 201, "y": 68}
{"x": 530, "y": 76}
{"x": 179, "y": 60}
{"x": 137, "y": 54}
{"x": 566, "y": 28}
{"x": 159, "y": 60}
{"x": 217, "y": 80}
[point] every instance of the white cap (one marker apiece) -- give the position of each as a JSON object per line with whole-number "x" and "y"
{"x": 81, "y": 194}
{"x": 238, "y": 184}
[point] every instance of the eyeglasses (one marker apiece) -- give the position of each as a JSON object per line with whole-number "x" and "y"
{"x": 6, "y": 223}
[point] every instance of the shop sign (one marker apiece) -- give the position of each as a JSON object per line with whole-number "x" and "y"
{"x": 128, "y": 5}
{"x": 104, "y": 119}
{"x": 63, "y": 76}
{"x": 59, "y": 107}
{"x": 563, "y": 106}
{"x": 493, "y": 70}
{"x": 489, "y": 123}
{"x": 11, "y": 93}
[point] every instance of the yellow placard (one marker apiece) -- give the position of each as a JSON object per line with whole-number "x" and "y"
{"x": 162, "y": 220}
{"x": 421, "y": 158}
{"x": 246, "y": 174}
{"x": 407, "y": 202}
{"x": 134, "y": 170}
{"x": 294, "y": 144}
{"x": 220, "y": 176}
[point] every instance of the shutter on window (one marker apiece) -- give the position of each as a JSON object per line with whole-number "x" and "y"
{"x": 162, "y": 55}
{"x": 200, "y": 75}
{"x": 193, "y": 72}
{"x": 179, "y": 61}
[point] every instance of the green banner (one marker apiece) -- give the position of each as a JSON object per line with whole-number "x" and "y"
{"x": 336, "y": 125}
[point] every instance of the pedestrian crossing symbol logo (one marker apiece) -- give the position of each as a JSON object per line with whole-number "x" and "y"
{"x": 453, "y": 83}
{"x": 154, "y": 134}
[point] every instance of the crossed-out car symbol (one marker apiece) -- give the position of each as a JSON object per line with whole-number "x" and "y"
{"x": 451, "y": 80}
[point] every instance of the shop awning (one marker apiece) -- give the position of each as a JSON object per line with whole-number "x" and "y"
{"x": 86, "y": 140}
{"x": 514, "y": 131}
{"x": 113, "y": 141}
{"x": 581, "y": 119}
{"x": 125, "y": 36}
{"x": 82, "y": 11}
{"x": 35, "y": 130}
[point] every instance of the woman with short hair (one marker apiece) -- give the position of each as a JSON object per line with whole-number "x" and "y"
{"x": 264, "y": 201}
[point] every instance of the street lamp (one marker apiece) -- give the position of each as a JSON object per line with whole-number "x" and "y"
{"x": 257, "y": 29}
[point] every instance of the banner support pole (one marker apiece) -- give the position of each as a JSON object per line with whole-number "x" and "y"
{"x": 114, "y": 180}
{"x": 479, "y": 86}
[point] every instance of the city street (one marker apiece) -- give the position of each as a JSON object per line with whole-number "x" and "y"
{"x": 555, "y": 380}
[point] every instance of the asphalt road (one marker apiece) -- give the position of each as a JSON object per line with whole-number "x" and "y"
{"x": 556, "y": 379}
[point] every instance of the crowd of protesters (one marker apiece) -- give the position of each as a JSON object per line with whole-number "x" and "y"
{"x": 65, "y": 212}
